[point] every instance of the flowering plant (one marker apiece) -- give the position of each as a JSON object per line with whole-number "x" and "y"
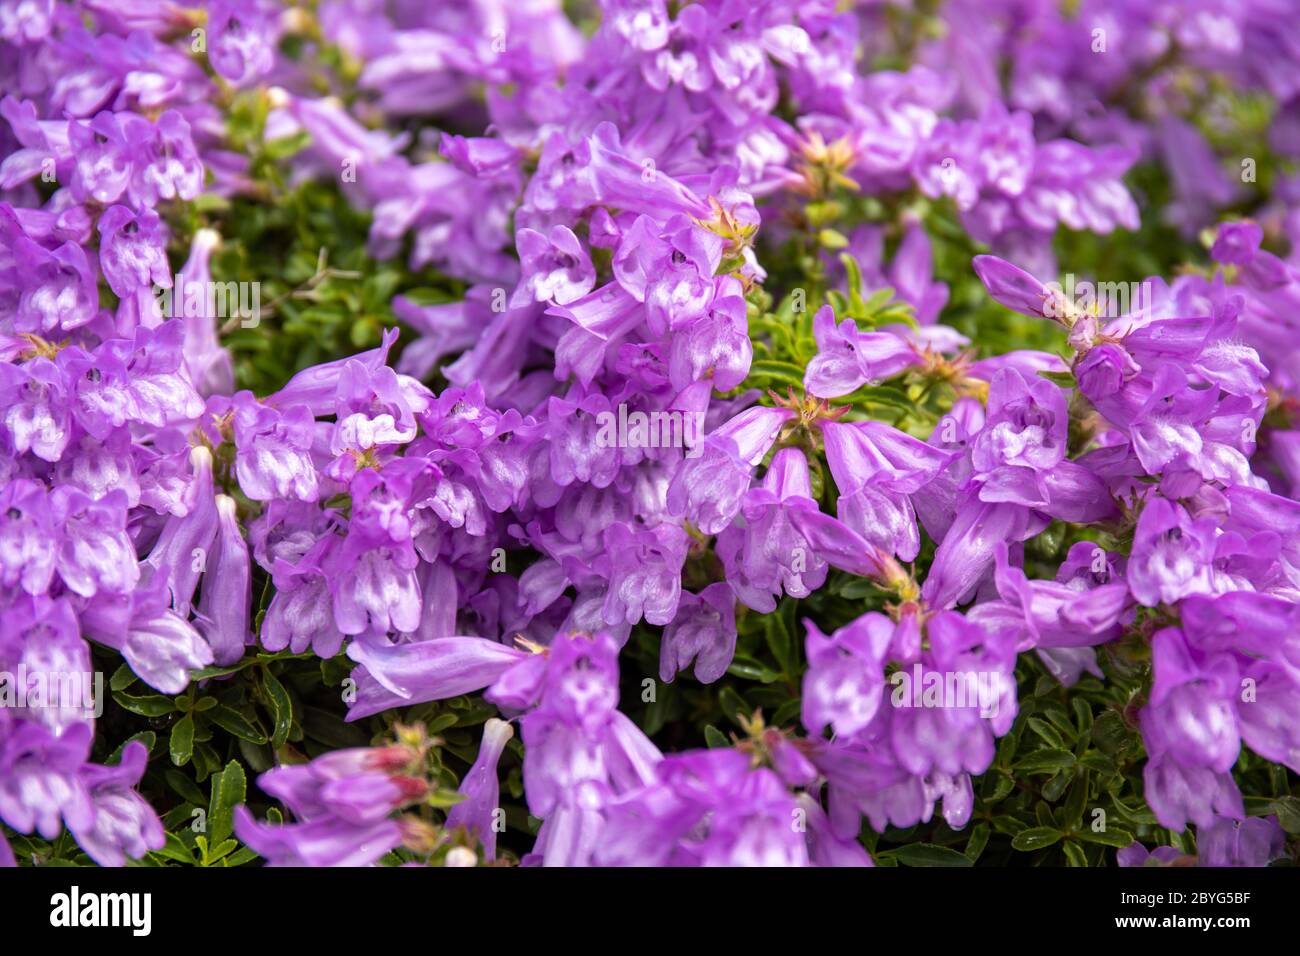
{"x": 649, "y": 433}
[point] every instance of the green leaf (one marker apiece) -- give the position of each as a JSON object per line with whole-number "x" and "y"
{"x": 149, "y": 705}
{"x": 714, "y": 737}
{"x": 832, "y": 239}
{"x": 442, "y": 799}
{"x": 244, "y": 855}
{"x": 122, "y": 678}
{"x": 1074, "y": 854}
{"x": 1063, "y": 379}
{"x": 752, "y": 670}
{"x": 182, "y": 741}
{"x": 146, "y": 737}
{"x": 286, "y": 146}
{"x": 326, "y": 727}
{"x": 777, "y": 371}
{"x": 1045, "y": 730}
{"x": 854, "y": 280}
{"x": 1035, "y": 838}
{"x": 1045, "y": 761}
{"x": 281, "y": 708}
{"x": 1288, "y": 813}
{"x": 219, "y": 851}
{"x": 733, "y": 705}
{"x": 929, "y": 854}
{"x": 1072, "y": 812}
{"x": 979, "y": 838}
{"x": 1107, "y": 837}
{"x": 228, "y": 791}
{"x": 780, "y": 640}
{"x": 232, "y": 721}
{"x": 1109, "y": 733}
{"x": 184, "y": 786}
{"x": 175, "y": 850}
{"x": 1098, "y": 761}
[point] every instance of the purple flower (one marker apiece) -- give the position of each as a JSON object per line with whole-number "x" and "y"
{"x": 28, "y": 541}
{"x": 707, "y": 489}
{"x": 241, "y": 44}
{"x": 223, "y": 610}
{"x": 555, "y": 268}
{"x": 1172, "y": 554}
{"x": 132, "y": 250}
{"x": 847, "y": 358}
{"x": 274, "y": 447}
{"x": 124, "y": 824}
{"x": 1255, "y": 841}
{"x": 58, "y": 290}
{"x": 645, "y": 573}
{"x": 95, "y": 553}
{"x": 876, "y": 468}
{"x": 342, "y": 801}
{"x": 479, "y": 812}
{"x": 704, "y": 631}
{"x": 763, "y": 552}
{"x": 41, "y": 780}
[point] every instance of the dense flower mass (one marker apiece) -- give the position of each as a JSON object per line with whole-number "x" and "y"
{"x": 459, "y": 414}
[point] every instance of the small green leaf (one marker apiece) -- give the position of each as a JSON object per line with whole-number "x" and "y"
{"x": 1046, "y": 731}
{"x": 220, "y": 850}
{"x": 286, "y": 146}
{"x": 752, "y": 670}
{"x": 184, "y": 786}
{"x": 245, "y": 855}
{"x": 442, "y": 799}
{"x": 733, "y": 705}
{"x": 777, "y": 372}
{"x": 1074, "y": 854}
{"x": 232, "y": 721}
{"x": 122, "y": 678}
{"x": 1288, "y": 813}
{"x": 979, "y": 838}
{"x": 832, "y": 239}
{"x": 281, "y": 708}
{"x": 780, "y": 641}
{"x": 182, "y": 741}
{"x": 149, "y": 705}
{"x": 175, "y": 851}
{"x": 229, "y": 789}
{"x": 929, "y": 854}
{"x": 1109, "y": 733}
{"x": 1045, "y": 761}
{"x": 146, "y": 737}
{"x": 714, "y": 737}
{"x": 1035, "y": 838}
{"x": 1108, "y": 837}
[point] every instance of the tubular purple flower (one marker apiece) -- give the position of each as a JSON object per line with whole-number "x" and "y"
{"x": 479, "y": 812}
{"x": 708, "y": 489}
{"x": 407, "y": 674}
{"x": 224, "y": 605}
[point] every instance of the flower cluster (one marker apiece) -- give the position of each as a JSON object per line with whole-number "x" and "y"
{"x": 644, "y": 235}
